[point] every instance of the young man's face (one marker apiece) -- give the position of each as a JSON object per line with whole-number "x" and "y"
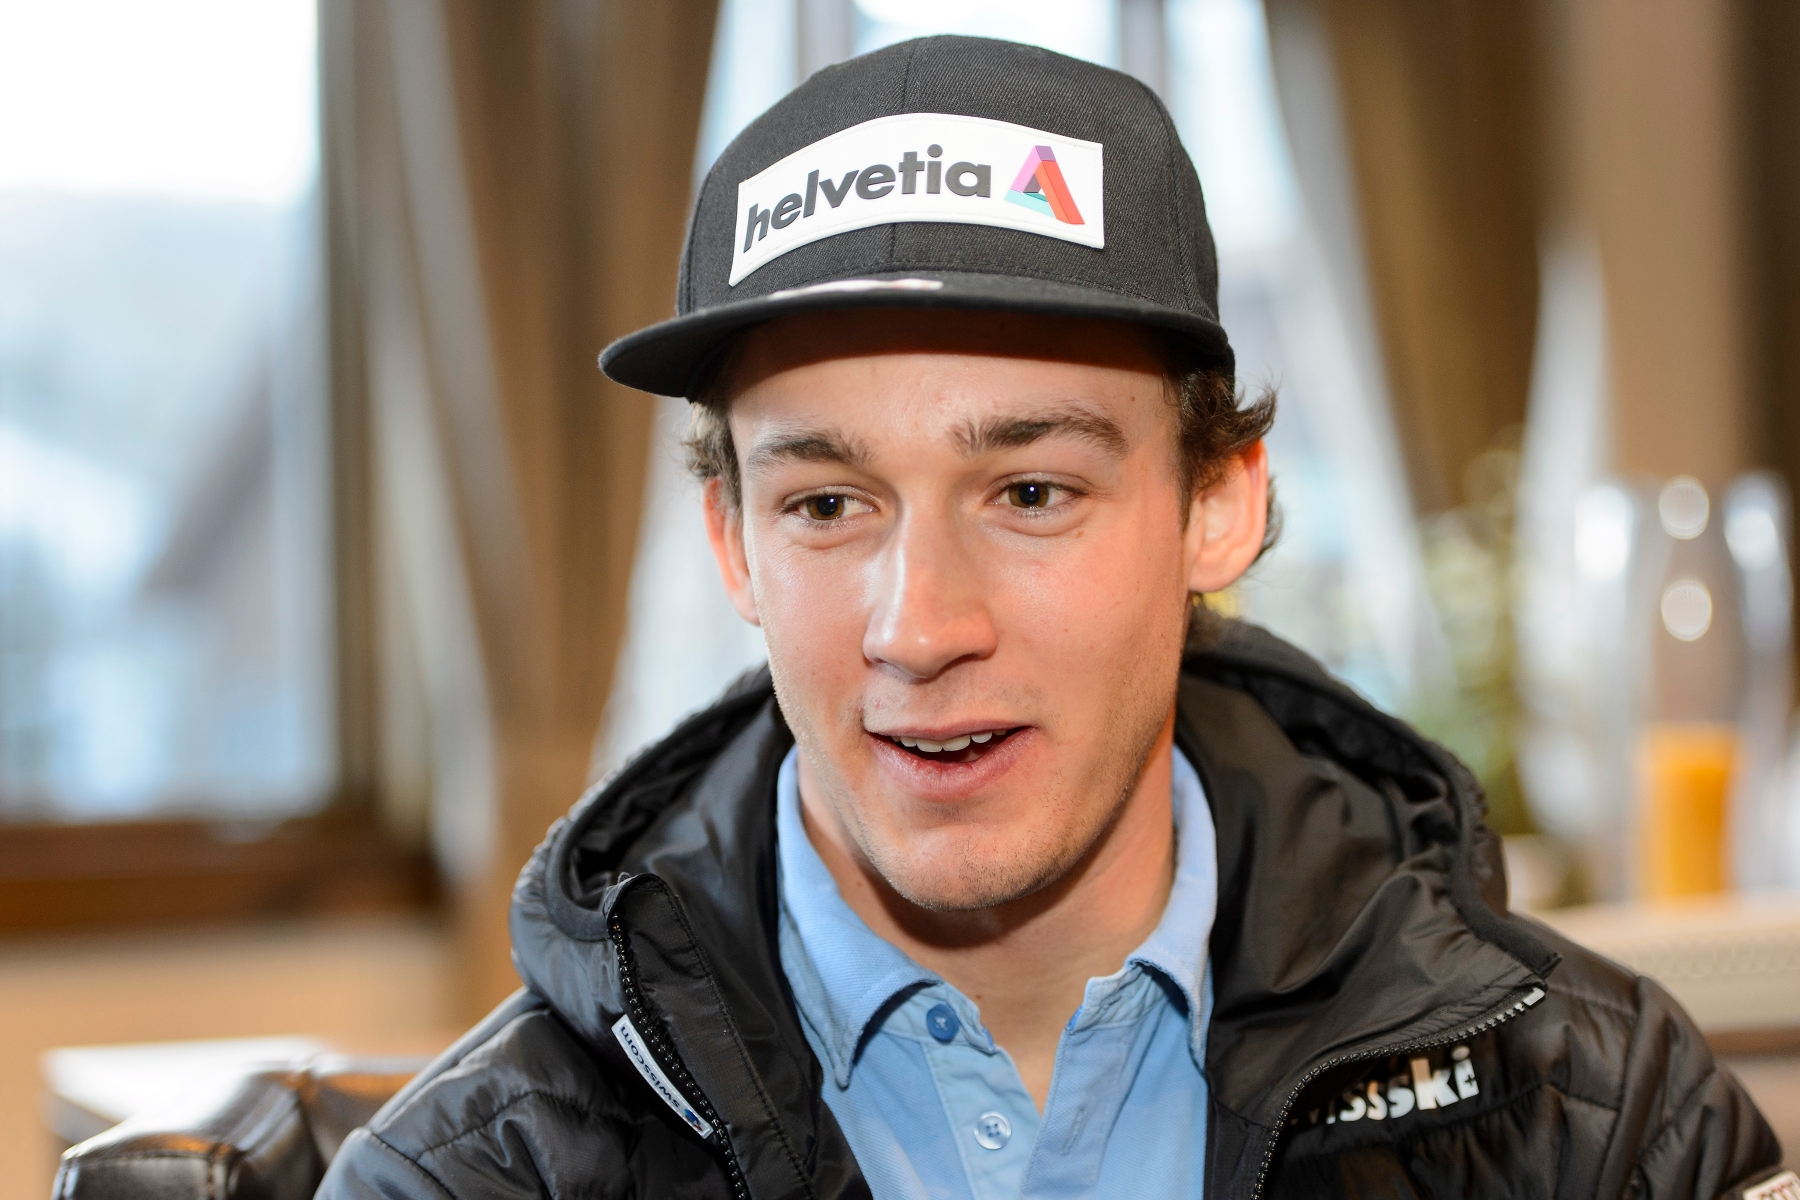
{"x": 967, "y": 531}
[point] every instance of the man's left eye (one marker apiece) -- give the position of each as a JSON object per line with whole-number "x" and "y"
{"x": 824, "y": 508}
{"x": 1030, "y": 494}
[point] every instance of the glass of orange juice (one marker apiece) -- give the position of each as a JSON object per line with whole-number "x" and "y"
{"x": 1685, "y": 772}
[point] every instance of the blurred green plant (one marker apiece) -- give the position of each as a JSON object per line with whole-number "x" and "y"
{"x": 1470, "y": 564}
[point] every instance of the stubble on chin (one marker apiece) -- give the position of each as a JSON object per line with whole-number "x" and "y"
{"x": 972, "y": 868}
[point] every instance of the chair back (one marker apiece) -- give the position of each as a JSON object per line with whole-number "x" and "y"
{"x": 258, "y": 1135}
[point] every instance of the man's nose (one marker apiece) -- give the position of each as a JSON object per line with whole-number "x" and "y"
{"x": 930, "y": 606}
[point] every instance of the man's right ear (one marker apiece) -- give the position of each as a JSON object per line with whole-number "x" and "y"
{"x": 725, "y": 530}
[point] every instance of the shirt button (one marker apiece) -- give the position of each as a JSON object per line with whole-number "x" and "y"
{"x": 993, "y": 1130}
{"x": 941, "y": 1020}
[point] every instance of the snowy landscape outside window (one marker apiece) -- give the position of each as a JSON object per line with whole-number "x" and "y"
{"x": 165, "y": 574}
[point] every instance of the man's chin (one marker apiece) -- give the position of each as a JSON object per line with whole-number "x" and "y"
{"x": 959, "y": 900}
{"x": 973, "y": 884}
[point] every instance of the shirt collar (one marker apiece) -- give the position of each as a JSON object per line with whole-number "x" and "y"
{"x": 1177, "y": 947}
{"x": 845, "y": 975}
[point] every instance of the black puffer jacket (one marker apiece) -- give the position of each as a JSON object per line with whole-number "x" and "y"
{"x": 1381, "y": 1027}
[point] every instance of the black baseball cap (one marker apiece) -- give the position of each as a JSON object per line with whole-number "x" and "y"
{"x": 944, "y": 172}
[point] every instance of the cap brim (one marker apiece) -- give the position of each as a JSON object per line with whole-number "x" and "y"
{"x": 669, "y": 359}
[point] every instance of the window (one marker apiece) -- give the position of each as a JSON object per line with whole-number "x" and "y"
{"x": 1345, "y": 582}
{"x": 165, "y": 581}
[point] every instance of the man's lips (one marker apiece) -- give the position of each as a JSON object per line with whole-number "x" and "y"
{"x": 951, "y": 775}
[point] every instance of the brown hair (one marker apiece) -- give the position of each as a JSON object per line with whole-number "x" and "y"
{"x": 1215, "y": 426}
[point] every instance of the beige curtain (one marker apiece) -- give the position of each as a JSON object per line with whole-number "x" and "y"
{"x": 1771, "y": 40}
{"x": 1434, "y": 101}
{"x": 509, "y": 186}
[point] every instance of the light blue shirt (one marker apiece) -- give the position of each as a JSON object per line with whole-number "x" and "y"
{"x": 933, "y": 1108}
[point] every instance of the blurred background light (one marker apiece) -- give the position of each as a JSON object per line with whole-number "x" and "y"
{"x": 1603, "y": 521}
{"x": 1683, "y": 507}
{"x": 1754, "y": 540}
{"x": 1687, "y": 609}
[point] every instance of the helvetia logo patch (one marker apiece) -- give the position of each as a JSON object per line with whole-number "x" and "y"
{"x": 922, "y": 167}
{"x": 640, "y": 1057}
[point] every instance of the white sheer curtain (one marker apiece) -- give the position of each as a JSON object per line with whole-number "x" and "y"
{"x": 1258, "y": 109}
{"x": 683, "y": 642}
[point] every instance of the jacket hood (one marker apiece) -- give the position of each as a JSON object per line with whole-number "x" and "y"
{"x": 675, "y": 820}
{"x": 1360, "y": 897}
{"x": 1360, "y": 891}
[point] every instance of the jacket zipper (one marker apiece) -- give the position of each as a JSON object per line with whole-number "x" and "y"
{"x": 651, "y": 1031}
{"x": 1506, "y": 1011}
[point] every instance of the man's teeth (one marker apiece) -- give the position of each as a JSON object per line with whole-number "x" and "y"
{"x": 951, "y": 746}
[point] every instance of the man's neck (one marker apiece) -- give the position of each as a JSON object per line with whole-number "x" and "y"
{"x": 1026, "y": 964}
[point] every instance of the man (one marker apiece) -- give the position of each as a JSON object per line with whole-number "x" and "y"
{"x": 1013, "y": 874}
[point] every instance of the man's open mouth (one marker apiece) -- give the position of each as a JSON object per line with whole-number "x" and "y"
{"x": 964, "y": 748}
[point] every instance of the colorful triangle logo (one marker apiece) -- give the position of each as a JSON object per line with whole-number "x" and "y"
{"x": 1041, "y": 186}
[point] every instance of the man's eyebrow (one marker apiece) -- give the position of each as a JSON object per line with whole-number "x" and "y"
{"x": 817, "y": 445}
{"x": 1003, "y": 433}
